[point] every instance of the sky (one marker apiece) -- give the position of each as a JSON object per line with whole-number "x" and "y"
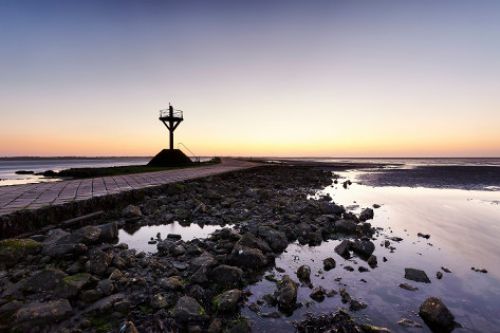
{"x": 254, "y": 78}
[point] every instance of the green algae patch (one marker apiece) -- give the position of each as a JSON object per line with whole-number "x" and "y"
{"x": 15, "y": 249}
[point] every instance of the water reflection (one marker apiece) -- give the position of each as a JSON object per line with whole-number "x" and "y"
{"x": 137, "y": 237}
{"x": 464, "y": 228}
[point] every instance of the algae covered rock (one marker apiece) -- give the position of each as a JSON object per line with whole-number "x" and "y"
{"x": 13, "y": 250}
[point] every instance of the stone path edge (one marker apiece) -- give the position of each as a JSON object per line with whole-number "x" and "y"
{"x": 32, "y": 220}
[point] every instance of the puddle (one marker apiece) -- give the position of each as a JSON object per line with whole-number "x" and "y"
{"x": 138, "y": 239}
{"x": 464, "y": 233}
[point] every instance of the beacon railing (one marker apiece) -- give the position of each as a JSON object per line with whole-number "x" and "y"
{"x": 166, "y": 113}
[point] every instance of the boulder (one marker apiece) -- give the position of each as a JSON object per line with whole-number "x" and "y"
{"x": 343, "y": 248}
{"x": 105, "y": 287}
{"x": 13, "y": 250}
{"x": 364, "y": 248}
{"x": 318, "y": 294}
{"x": 329, "y": 264}
{"x": 416, "y": 275}
{"x": 436, "y": 315}
{"x": 174, "y": 283}
{"x": 227, "y": 301}
{"x": 345, "y": 226}
{"x": 277, "y": 240}
{"x": 56, "y": 250}
{"x": 188, "y": 310}
{"x": 132, "y": 211}
{"x": 38, "y": 313}
{"x": 304, "y": 273}
{"x": 158, "y": 301}
{"x": 366, "y": 214}
{"x": 331, "y": 208}
{"x": 109, "y": 231}
{"x": 86, "y": 235}
{"x": 226, "y": 276}
{"x": 287, "y": 294}
{"x": 248, "y": 258}
{"x": 99, "y": 262}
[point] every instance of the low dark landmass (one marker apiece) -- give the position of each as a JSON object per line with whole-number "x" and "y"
{"x": 119, "y": 170}
{"x": 439, "y": 176}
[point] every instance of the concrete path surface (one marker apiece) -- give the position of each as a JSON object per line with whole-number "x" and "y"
{"x": 33, "y": 196}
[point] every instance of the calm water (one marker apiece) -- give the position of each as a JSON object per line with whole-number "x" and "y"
{"x": 464, "y": 228}
{"x": 138, "y": 238}
{"x": 8, "y": 167}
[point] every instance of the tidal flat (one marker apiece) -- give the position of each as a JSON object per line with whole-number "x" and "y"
{"x": 271, "y": 249}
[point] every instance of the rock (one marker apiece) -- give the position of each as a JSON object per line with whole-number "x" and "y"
{"x": 363, "y": 269}
{"x": 345, "y": 226}
{"x": 356, "y": 305}
{"x": 86, "y": 235}
{"x": 109, "y": 231}
{"x": 13, "y": 250}
{"x": 46, "y": 280}
{"x": 99, "y": 262}
{"x": 178, "y": 250}
{"x": 439, "y": 275}
{"x": 408, "y": 287}
{"x": 105, "y": 287}
{"x": 376, "y": 206}
{"x": 158, "y": 301}
{"x": 436, "y": 315}
{"x": 249, "y": 240}
{"x": 132, "y": 211}
{"x": 277, "y": 240}
{"x": 343, "y": 248}
{"x": 55, "y": 250}
{"x": 215, "y": 326}
{"x": 174, "y": 283}
{"x": 445, "y": 269}
{"x": 349, "y": 268}
{"x": 346, "y": 298}
{"x": 106, "y": 304}
{"x": 227, "y": 276}
{"x": 287, "y": 294}
{"x": 116, "y": 275}
{"x": 38, "y": 313}
{"x": 331, "y": 208}
{"x": 329, "y": 264}
{"x": 318, "y": 294}
{"x": 372, "y": 261}
{"x": 240, "y": 325}
{"x": 426, "y": 236}
{"x": 304, "y": 273}
{"x": 363, "y": 248}
{"x": 227, "y": 301}
{"x": 174, "y": 237}
{"x": 374, "y": 329}
{"x": 405, "y": 322}
{"x": 416, "y": 275}
{"x": 366, "y": 214}
{"x": 248, "y": 258}
{"x": 129, "y": 327}
{"x": 188, "y": 310}
{"x": 73, "y": 284}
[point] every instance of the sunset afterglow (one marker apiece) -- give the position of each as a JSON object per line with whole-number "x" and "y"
{"x": 275, "y": 78}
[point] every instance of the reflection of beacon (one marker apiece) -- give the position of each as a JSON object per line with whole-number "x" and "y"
{"x": 171, "y": 119}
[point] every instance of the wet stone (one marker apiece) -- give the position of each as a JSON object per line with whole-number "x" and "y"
{"x": 436, "y": 315}
{"x": 416, "y": 275}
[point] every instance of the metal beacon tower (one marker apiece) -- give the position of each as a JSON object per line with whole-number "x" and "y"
{"x": 171, "y": 157}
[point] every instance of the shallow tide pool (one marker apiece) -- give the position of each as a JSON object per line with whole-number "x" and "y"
{"x": 464, "y": 228}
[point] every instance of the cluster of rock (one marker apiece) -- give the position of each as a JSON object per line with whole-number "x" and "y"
{"x": 81, "y": 280}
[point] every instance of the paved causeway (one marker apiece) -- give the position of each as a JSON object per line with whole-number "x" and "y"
{"x": 33, "y": 196}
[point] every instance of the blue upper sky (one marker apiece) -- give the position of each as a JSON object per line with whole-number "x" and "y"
{"x": 341, "y": 78}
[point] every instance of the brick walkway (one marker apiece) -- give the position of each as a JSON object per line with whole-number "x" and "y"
{"x": 33, "y": 196}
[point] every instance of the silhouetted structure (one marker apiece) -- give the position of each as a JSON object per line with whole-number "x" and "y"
{"x": 171, "y": 119}
{"x": 170, "y": 157}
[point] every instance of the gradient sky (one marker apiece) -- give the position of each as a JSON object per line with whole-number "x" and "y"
{"x": 285, "y": 78}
